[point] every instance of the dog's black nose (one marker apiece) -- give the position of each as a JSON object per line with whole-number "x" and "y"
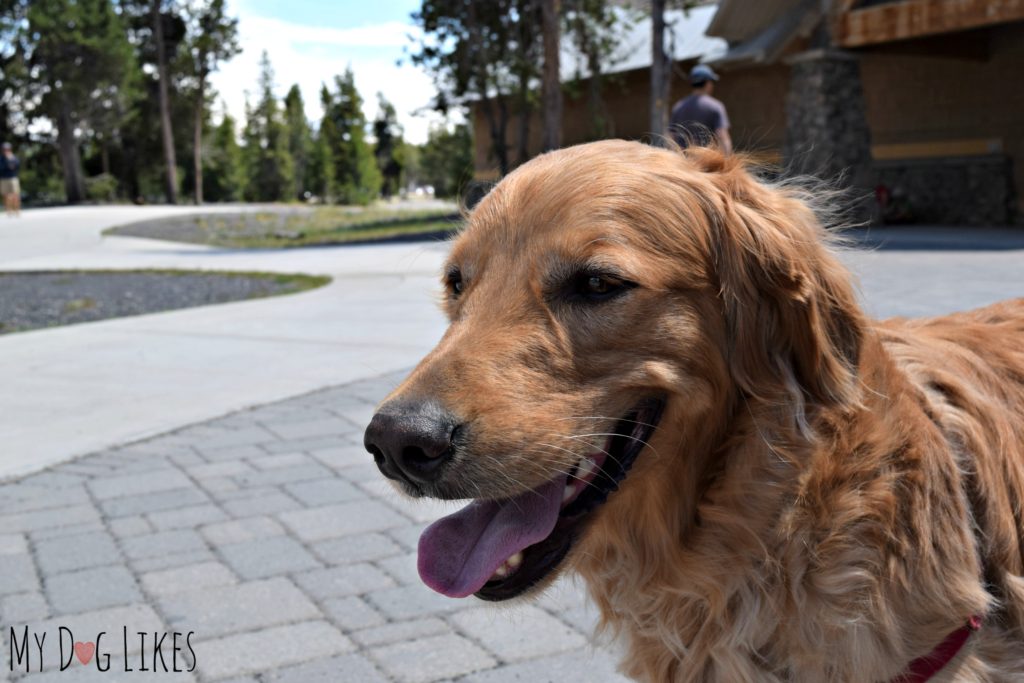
{"x": 411, "y": 441}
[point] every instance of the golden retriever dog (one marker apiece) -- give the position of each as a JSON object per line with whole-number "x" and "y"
{"x": 657, "y": 375}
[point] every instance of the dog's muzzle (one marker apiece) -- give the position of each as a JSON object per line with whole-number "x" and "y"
{"x": 411, "y": 441}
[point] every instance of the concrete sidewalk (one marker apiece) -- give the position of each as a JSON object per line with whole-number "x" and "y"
{"x": 74, "y": 390}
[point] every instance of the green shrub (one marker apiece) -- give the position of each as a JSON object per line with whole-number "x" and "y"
{"x": 101, "y": 188}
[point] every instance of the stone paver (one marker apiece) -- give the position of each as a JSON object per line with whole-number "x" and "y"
{"x": 92, "y": 589}
{"x": 152, "y": 502}
{"x": 245, "y": 607}
{"x": 23, "y": 608}
{"x": 162, "y": 543}
{"x": 260, "y": 558}
{"x": 352, "y": 668}
{"x": 341, "y": 520}
{"x": 189, "y": 578}
{"x": 241, "y": 530}
{"x": 432, "y": 659}
{"x": 575, "y": 667}
{"x": 270, "y": 648}
{"x": 76, "y": 552}
{"x": 125, "y": 527}
{"x": 138, "y": 484}
{"x": 19, "y": 574}
{"x": 352, "y": 579}
{"x": 13, "y": 544}
{"x": 352, "y": 613}
{"x": 189, "y": 517}
{"x": 288, "y": 557}
{"x": 270, "y": 534}
{"x": 402, "y": 631}
{"x": 358, "y": 548}
{"x": 523, "y": 633}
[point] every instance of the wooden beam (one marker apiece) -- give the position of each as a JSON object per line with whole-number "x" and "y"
{"x": 937, "y": 149}
{"x": 916, "y": 18}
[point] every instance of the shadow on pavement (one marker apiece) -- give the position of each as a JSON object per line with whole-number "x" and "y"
{"x": 935, "y": 238}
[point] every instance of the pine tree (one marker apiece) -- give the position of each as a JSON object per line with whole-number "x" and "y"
{"x": 213, "y": 38}
{"x": 321, "y": 165}
{"x": 74, "y": 50}
{"x": 223, "y": 171}
{"x": 268, "y": 163}
{"x": 355, "y": 168}
{"x": 446, "y": 159}
{"x": 300, "y": 140}
{"x": 388, "y": 134}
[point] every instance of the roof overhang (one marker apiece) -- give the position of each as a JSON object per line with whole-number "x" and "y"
{"x": 765, "y": 39}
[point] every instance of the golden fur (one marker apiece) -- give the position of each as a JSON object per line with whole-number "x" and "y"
{"x": 826, "y": 498}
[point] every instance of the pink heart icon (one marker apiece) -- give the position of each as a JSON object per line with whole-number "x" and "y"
{"x": 84, "y": 651}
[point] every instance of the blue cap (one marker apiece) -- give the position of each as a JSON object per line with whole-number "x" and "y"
{"x": 701, "y": 73}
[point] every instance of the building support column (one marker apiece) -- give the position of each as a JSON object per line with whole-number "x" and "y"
{"x": 827, "y": 134}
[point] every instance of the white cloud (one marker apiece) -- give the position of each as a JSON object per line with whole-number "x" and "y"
{"x": 311, "y": 55}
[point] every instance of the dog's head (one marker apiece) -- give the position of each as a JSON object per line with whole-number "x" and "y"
{"x": 611, "y": 306}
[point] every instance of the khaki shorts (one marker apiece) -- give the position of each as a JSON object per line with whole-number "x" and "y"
{"x": 9, "y": 186}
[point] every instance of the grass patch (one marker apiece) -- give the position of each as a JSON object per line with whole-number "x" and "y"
{"x": 296, "y": 227}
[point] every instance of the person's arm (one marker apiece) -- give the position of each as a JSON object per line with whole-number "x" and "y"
{"x": 724, "y": 140}
{"x": 722, "y": 129}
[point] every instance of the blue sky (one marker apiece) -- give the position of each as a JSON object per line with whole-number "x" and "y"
{"x": 348, "y": 14}
{"x": 310, "y": 41}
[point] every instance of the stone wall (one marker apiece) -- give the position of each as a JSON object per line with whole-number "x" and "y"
{"x": 956, "y": 190}
{"x": 826, "y": 129}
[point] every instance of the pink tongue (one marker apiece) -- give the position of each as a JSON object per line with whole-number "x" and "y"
{"x": 460, "y": 552}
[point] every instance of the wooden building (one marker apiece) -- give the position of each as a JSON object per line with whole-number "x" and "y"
{"x": 918, "y": 102}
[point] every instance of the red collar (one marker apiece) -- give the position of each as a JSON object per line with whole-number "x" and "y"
{"x": 923, "y": 668}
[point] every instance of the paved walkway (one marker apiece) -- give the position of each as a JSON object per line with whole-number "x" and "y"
{"x": 109, "y": 382}
{"x": 272, "y": 536}
{"x": 268, "y": 532}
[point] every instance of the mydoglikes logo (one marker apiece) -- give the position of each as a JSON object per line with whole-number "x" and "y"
{"x": 149, "y": 651}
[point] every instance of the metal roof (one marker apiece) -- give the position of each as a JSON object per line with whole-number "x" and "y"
{"x": 741, "y": 20}
{"x": 684, "y": 39}
{"x": 769, "y": 43}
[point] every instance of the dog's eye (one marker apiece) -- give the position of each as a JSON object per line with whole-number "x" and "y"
{"x": 595, "y": 287}
{"x": 453, "y": 281}
{"x": 598, "y": 285}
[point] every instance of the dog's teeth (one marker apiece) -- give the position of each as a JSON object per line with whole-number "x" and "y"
{"x": 586, "y": 467}
{"x": 514, "y": 561}
{"x": 501, "y": 571}
{"x": 567, "y": 493}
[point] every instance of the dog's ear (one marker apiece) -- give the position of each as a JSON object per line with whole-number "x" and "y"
{"x": 793, "y": 321}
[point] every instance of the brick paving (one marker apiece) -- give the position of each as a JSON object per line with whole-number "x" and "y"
{"x": 272, "y": 536}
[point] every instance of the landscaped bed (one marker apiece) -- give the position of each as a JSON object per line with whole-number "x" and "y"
{"x": 33, "y": 300}
{"x": 298, "y": 226}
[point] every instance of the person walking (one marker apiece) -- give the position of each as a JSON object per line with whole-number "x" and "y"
{"x": 9, "y": 186}
{"x": 700, "y": 119}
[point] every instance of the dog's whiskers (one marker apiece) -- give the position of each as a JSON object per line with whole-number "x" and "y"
{"x": 627, "y": 436}
{"x": 605, "y": 417}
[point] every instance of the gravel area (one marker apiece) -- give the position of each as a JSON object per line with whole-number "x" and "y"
{"x": 32, "y": 300}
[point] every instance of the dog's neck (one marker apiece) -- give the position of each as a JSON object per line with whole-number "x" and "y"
{"x": 769, "y": 571}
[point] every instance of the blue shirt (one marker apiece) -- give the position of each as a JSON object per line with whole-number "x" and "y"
{"x": 9, "y": 167}
{"x": 695, "y": 119}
